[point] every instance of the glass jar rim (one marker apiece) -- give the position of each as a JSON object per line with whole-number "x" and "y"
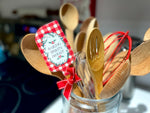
{"x": 94, "y": 100}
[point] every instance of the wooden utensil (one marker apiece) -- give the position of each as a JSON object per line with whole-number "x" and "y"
{"x": 140, "y": 59}
{"x": 116, "y": 82}
{"x": 79, "y": 41}
{"x": 69, "y": 17}
{"x": 147, "y": 35}
{"x": 35, "y": 59}
{"x": 85, "y": 24}
{"x": 109, "y": 51}
{"x": 95, "y": 58}
{"x": 93, "y": 24}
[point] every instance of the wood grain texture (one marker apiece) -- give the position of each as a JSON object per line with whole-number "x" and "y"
{"x": 69, "y": 17}
{"x": 107, "y": 43}
{"x": 34, "y": 57}
{"x": 120, "y": 76}
{"x": 147, "y": 35}
{"x": 140, "y": 59}
{"x": 95, "y": 58}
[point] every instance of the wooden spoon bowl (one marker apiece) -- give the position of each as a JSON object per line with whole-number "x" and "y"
{"x": 120, "y": 76}
{"x": 79, "y": 41}
{"x": 69, "y": 17}
{"x": 34, "y": 57}
{"x": 85, "y": 24}
{"x": 107, "y": 43}
{"x": 140, "y": 59}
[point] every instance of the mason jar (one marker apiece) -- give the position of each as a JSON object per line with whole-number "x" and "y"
{"x": 78, "y": 104}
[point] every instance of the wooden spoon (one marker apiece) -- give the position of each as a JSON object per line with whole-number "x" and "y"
{"x": 95, "y": 58}
{"x": 35, "y": 59}
{"x": 79, "y": 41}
{"x": 147, "y": 35}
{"x": 107, "y": 43}
{"x": 120, "y": 76}
{"x": 93, "y": 24}
{"x": 85, "y": 24}
{"x": 69, "y": 17}
{"x": 140, "y": 59}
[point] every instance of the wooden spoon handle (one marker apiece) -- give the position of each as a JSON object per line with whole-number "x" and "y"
{"x": 98, "y": 78}
{"x": 70, "y": 38}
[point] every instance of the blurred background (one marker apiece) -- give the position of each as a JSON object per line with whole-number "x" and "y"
{"x": 23, "y": 89}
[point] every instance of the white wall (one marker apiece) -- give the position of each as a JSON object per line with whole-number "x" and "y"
{"x": 132, "y": 15}
{"x": 6, "y": 6}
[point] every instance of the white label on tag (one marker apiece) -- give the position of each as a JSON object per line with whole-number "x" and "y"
{"x": 55, "y": 49}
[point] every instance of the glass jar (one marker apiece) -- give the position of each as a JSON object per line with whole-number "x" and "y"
{"x": 78, "y": 104}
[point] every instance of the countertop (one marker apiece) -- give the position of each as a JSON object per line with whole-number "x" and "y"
{"x": 139, "y": 103}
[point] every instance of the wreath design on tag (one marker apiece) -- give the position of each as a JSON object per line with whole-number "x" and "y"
{"x": 55, "y": 49}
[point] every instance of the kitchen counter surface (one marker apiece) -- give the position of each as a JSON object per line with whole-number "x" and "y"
{"x": 140, "y": 103}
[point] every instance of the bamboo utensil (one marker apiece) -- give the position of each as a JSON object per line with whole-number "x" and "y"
{"x": 107, "y": 43}
{"x": 140, "y": 59}
{"x": 147, "y": 35}
{"x": 79, "y": 41}
{"x": 117, "y": 67}
{"x": 69, "y": 17}
{"x": 35, "y": 59}
{"x": 85, "y": 24}
{"x": 95, "y": 58}
{"x": 93, "y": 24}
{"x": 120, "y": 76}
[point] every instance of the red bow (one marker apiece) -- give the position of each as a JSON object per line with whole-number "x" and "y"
{"x": 67, "y": 84}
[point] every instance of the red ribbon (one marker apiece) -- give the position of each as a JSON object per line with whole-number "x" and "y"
{"x": 67, "y": 84}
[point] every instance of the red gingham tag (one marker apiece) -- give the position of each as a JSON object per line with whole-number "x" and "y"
{"x": 54, "y": 47}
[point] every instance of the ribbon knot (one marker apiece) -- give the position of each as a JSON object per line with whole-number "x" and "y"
{"x": 71, "y": 81}
{"x": 67, "y": 84}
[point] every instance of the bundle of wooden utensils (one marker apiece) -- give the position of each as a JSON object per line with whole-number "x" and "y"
{"x": 100, "y": 62}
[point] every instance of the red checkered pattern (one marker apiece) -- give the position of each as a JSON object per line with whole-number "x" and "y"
{"x": 55, "y": 28}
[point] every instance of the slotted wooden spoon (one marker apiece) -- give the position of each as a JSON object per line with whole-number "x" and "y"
{"x": 95, "y": 58}
{"x": 120, "y": 76}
